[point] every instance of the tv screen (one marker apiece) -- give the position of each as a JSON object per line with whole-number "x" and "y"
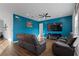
{"x": 55, "y": 27}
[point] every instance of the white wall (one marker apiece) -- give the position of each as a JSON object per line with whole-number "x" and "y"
{"x": 2, "y": 26}
{"x": 7, "y": 17}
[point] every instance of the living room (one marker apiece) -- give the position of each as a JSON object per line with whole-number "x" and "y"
{"x": 31, "y": 28}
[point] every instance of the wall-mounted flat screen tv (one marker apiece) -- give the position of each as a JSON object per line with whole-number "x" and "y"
{"x": 55, "y": 27}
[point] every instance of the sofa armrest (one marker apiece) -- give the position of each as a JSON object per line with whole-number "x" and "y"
{"x": 63, "y": 45}
{"x": 62, "y": 40}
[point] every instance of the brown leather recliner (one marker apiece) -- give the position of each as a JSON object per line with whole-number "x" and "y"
{"x": 61, "y": 48}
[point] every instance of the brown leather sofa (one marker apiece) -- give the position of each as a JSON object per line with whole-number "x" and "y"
{"x": 30, "y": 42}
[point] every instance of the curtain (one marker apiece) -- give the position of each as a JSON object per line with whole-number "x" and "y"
{"x": 75, "y": 21}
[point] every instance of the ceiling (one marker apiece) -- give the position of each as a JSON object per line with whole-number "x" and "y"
{"x": 32, "y": 10}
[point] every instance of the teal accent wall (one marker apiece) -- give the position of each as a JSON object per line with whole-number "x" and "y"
{"x": 66, "y": 25}
{"x": 19, "y": 26}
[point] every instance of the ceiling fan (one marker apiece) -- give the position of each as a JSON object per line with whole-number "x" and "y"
{"x": 44, "y": 15}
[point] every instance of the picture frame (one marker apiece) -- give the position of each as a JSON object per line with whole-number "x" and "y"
{"x": 29, "y": 24}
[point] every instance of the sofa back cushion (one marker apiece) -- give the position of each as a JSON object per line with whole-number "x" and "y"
{"x": 71, "y": 41}
{"x": 27, "y": 38}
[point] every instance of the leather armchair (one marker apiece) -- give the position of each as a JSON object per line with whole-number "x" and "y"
{"x": 60, "y": 48}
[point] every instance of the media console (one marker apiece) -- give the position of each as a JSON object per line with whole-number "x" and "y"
{"x": 53, "y": 36}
